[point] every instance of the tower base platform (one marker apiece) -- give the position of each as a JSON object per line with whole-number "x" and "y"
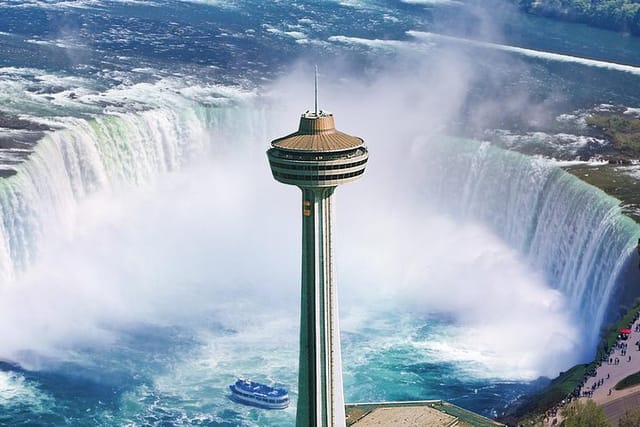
{"x": 427, "y": 413}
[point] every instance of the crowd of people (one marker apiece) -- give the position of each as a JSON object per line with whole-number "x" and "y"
{"x": 597, "y": 377}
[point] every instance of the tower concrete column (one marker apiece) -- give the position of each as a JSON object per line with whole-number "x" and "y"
{"x": 320, "y": 396}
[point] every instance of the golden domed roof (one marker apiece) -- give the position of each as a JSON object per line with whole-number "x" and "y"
{"x": 317, "y": 132}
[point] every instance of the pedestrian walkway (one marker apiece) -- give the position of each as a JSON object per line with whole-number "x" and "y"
{"x": 623, "y": 361}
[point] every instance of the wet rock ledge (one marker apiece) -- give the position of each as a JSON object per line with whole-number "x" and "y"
{"x": 618, "y": 171}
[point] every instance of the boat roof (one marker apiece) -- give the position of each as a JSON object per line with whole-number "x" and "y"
{"x": 259, "y": 388}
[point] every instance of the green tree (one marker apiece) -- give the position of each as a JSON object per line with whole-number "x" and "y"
{"x": 631, "y": 418}
{"x": 578, "y": 414}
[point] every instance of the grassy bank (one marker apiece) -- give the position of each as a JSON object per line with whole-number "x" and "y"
{"x": 630, "y": 381}
{"x": 557, "y": 390}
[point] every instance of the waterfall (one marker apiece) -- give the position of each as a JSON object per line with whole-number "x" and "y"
{"x": 572, "y": 232}
{"x": 105, "y": 153}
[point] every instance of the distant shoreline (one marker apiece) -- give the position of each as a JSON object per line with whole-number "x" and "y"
{"x": 607, "y": 15}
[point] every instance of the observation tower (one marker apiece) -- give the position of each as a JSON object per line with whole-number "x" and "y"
{"x": 317, "y": 158}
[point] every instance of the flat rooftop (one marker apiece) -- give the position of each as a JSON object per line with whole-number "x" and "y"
{"x": 425, "y": 413}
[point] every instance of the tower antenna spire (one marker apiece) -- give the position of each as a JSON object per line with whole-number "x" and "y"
{"x": 316, "y": 91}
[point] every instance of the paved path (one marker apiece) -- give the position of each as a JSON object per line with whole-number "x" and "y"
{"x": 617, "y": 407}
{"x": 609, "y": 374}
{"x": 614, "y": 402}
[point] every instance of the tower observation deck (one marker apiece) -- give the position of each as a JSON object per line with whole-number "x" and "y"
{"x": 317, "y": 158}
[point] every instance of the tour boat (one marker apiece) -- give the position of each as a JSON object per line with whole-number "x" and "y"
{"x": 260, "y": 395}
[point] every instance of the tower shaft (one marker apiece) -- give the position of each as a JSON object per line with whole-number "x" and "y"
{"x": 320, "y": 398}
{"x": 317, "y": 158}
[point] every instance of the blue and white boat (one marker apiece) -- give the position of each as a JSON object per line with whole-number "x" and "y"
{"x": 260, "y": 395}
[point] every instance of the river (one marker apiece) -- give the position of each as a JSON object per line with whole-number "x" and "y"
{"x": 148, "y": 258}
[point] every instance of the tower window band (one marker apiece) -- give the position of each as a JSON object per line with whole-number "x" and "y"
{"x": 318, "y": 167}
{"x": 317, "y": 177}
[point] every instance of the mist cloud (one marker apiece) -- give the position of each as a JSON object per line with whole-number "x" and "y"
{"x": 222, "y": 237}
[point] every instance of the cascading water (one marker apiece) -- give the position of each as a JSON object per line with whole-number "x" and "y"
{"x": 105, "y": 153}
{"x": 531, "y": 204}
{"x": 572, "y": 232}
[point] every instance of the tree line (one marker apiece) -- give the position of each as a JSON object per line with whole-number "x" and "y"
{"x": 618, "y": 15}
